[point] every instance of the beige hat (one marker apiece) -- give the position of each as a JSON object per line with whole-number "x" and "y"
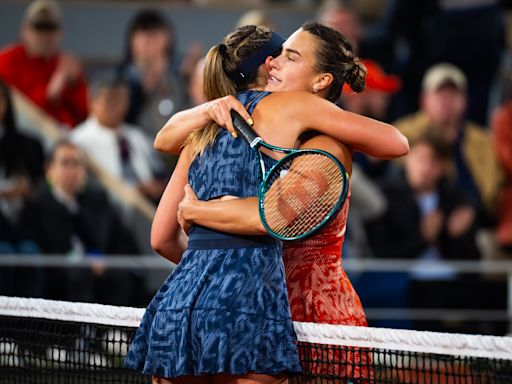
{"x": 44, "y": 12}
{"x": 441, "y": 74}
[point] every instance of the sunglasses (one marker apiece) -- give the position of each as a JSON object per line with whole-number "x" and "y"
{"x": 45, "y": 26}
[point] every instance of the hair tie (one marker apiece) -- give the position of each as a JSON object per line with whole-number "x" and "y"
{"x": 223, "y": 49}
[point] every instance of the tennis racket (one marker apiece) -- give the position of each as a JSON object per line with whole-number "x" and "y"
{"x": 302, "y": 192}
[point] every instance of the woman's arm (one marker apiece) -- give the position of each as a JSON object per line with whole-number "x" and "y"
{"x": 174, "y": 133}
{"x": 361, "y": 133}
{"x": 241, "y": 216}
{"x": 237, "y": 216}
{"x": 167, "y": 237}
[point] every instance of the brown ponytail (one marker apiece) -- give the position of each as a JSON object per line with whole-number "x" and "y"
{"x": 221, "y": 60}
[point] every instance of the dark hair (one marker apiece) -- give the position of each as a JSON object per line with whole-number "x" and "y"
{"x": 442, "y": 149}
{"x": 337, "y": 56}
{"x": 61, "y": 143}
{"x": 106, "y": 80}
{"x": 11, "y": 157}
{"x": 222, "y": 60}
{"x": 149, "y": 20}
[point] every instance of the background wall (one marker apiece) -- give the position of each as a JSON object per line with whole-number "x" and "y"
{"x": 95, "y": 30}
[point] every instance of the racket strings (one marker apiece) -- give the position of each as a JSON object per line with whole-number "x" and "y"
{"x": 301, "y": 193}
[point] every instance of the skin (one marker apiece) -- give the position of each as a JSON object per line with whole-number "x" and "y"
{"x": 168, "y": 238}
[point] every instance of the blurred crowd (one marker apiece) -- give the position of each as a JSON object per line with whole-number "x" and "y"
{"x": 437, "y": 69}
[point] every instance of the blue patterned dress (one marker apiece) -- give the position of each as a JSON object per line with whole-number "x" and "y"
{"x": 225, "y": 308}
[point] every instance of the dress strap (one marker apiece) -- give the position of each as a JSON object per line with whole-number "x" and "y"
{"x": 250, "y": 99}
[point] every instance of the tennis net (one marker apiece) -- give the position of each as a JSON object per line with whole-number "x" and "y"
{"x": 43, "y": 341}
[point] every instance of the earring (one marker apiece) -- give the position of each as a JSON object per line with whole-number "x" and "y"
{"x": 315, "y": 91}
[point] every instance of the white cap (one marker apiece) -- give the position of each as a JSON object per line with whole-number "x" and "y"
{"x": 441, "y": 74}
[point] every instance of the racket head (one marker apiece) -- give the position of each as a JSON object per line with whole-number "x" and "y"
{"x": 302, "y": 193}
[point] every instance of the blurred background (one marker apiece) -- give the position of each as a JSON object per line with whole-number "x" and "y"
{"x": 86, "y": 85}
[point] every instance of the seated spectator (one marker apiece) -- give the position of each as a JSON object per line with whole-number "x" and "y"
{"x": 256, "y": 17}
{"x": 372, "y": 102}
{"x": 157, "y": 90}
{"x": 21, "y": 170}
{"x": 121, "y": 149}
{"x": 427, "y": 217}
{"x": 71, "y": 219}
{"x": 502, "y": 140}
{"x": 473, "y": 165}
{"x": 429, "y": 220}
{"x": 51, "y": 79}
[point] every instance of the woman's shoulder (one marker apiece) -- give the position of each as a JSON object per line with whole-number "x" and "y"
{"x": 296, "y": 101}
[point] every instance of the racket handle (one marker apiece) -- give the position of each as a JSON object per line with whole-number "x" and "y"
{"x": 245, "y": 129}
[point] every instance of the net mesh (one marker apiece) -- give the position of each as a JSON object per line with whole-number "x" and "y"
{"x": 44, "y": 341}
{"x": 301, "y": 192}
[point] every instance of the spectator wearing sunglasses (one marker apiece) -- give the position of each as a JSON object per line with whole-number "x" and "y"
{"x": 37, "y": 67}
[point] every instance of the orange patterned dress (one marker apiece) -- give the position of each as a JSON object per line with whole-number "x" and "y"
{"x": 320, "y": 292}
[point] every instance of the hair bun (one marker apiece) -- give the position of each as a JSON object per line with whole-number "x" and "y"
{"x": 356, "y": 76}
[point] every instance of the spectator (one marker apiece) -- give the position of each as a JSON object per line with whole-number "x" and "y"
{"x": 51, "y": 79}
{"x": 427, "y": 219}
{"x": 341, "y": 17}
{"x": 502, "y": 140}
{"x": 256, "y": 17}
{"x": 157, "y": 90}
{"x": 195, "y": 87}
{"x": 21, "y": 170}
{"x": 442, "y": 113}
{"x": 121, "y": 149}
{"x": 69, "y": 218}
{"x": 374, "y": 100}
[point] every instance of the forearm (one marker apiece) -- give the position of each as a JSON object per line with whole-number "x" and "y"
{"x": 375, "y": 138}
{"x": 237, "y": 216}
{"x": 174, "y": 133}
{"x": 173, "y": 250}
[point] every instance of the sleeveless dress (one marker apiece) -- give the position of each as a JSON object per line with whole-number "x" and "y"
{"x": 319, "y": 291}
{"x": 225, "y": 308}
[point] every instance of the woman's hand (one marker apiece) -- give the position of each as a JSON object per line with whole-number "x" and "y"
{"x": 189, "y": 199}
{"x": 219, "y": 110}
{"x": 174, "y": 133}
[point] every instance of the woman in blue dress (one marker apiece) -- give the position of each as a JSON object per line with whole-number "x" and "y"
{"x": 223, "y": 315}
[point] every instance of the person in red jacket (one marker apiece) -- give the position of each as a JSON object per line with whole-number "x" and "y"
{"x": 51, "y": 79}
{"x": 501, "y": 124}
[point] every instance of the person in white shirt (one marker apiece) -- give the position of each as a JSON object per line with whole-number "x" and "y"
{"x": 121, "y": 149}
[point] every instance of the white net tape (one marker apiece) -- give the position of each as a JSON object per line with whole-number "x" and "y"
{"x": 492, "y": 347}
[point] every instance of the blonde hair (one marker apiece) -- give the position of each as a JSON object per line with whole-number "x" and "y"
{"x": 221, "y": 60}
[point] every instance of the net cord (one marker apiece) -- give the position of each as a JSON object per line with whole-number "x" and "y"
{"x": 492, "y": 347}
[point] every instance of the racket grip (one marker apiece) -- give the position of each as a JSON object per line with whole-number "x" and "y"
{"x": 244, "y": 129}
